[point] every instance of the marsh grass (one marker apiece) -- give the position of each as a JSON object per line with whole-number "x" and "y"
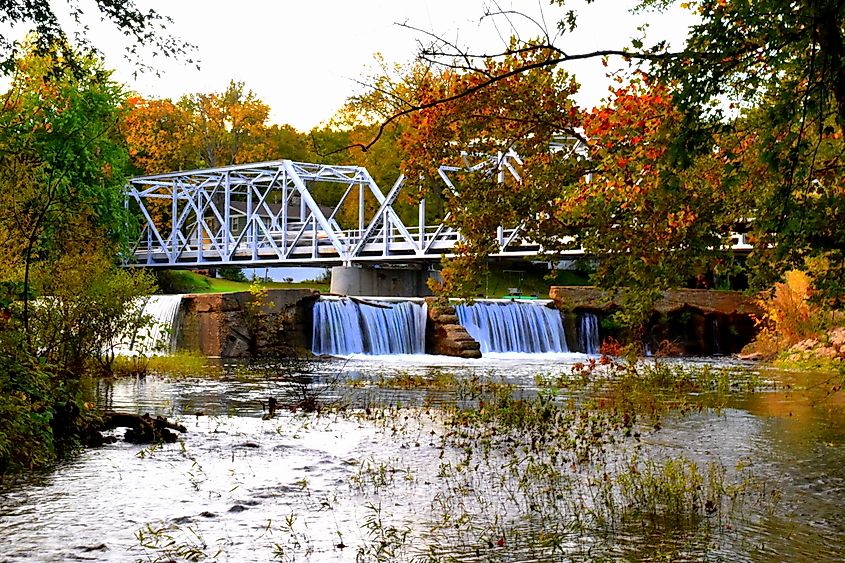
{"x": 178, "y": 364}
{"x": 552, "y": 472}
{"x": 172, "y": 542}
{"x": 575, "y": 463}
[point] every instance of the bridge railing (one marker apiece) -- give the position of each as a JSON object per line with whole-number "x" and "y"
{"x": 265, "y": 213}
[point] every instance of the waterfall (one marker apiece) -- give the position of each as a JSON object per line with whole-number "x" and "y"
{"x": 347, "y": 326}
{"x": 714, "y": 329}
{"x": 159, "y": 336}
{"x": 588, "y": 333}
{"x": 513, "y": 327}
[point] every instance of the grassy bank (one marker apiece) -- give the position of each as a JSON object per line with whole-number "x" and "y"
{"x": 528, "y": 281}
{"x": 184, "y": 281}
{"x": 498, "y": 282}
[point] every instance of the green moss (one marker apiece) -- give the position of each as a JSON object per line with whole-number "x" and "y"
{"x": 809, "y": 361}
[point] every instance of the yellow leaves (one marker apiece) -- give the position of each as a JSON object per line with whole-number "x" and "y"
{"x": 789, "y": 315}
{"x": 681, "y": 219}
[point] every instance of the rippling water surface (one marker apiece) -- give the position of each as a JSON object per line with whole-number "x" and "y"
{"x": 339, "y": 486}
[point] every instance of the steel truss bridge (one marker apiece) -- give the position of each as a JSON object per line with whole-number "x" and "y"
{"x": 266, "y": 214}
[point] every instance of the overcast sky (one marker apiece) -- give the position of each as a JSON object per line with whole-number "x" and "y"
{"x": 303, "y": 58}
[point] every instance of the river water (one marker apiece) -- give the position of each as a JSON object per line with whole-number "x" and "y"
{"x": 374, "y": 481}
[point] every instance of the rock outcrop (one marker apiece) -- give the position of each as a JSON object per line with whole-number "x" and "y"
{"x": 705, "y": 300}
{"x": 829, "y": 347}
{"x": 239, "y": 325}
{"x": 683, "y": 321}
{"x": 445, "y": 336}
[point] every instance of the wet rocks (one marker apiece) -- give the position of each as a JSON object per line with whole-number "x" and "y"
{"x": 98, "y": 547}
{"x": 829, "y": 347}
{"x": 239, "y": 325}
{"x": 445, "y": 336}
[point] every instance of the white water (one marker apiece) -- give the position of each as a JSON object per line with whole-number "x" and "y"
{"x": 717, "y": 349}
{"x": 159, "y": 335}
{"x": 588, "y": 333}
{"x": 514, "y": 327}
{"x": 343, "y": 327}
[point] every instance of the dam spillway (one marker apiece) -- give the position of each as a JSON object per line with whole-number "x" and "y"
{"x": 508, "y": 326}
{"x": 356, "y": 326}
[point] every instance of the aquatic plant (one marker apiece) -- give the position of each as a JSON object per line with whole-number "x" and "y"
{"x": 548, "y": 471}
{"x": 167, "y": 542}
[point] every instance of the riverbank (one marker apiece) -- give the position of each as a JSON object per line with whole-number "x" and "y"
{"x": 825, "y": 353}
{"x": 187, "y": 281}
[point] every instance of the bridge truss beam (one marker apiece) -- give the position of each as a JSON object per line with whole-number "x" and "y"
{"x": 266, "y": 214}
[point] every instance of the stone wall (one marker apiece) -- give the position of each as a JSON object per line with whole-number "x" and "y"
{"x": 444, "y": 336}
{"x": 684, "y": 321}
{"x": 239, "y": 325}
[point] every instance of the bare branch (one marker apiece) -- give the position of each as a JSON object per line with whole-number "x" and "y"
{"x": 551, "y": 61}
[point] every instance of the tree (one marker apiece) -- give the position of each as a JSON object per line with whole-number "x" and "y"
{"x": 283, "y": 141}
{"x": 61, "y": 161}
{"x": 461, "y": 118}
{"x": 202, "y": 130}
{"x": 144, "y": 29}
{"x": 652, "y": 223}
{"x": 62, "y": 228}
{"x": 227, "y": 127}
{"x": 775, "y": 68}
{"x": 157, "y": 134}
{"x": 761, "y": 85}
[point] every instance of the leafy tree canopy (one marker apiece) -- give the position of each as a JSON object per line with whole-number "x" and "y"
{"x": 741, "y": 128}
{"x": 144, "y": 30}
{"x": 62, "y": 163}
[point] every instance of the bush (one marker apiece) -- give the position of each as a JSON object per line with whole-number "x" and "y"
{"x": 86, "y": 306}
{"x": 231, "y": 273}
{"x": 26, "y": 413}
{"x": 789, "y": 315}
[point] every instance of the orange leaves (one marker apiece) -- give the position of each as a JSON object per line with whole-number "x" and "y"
{"x": 156, "y": 132}
{"x": 476, "y": 113}
{"x": 680, "y": 219}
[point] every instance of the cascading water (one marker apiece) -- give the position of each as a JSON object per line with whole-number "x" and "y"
{"x": 347, "y": 326}
{"x": 513, "y": 327}
{"x": 588, "y": 333}
{"x": 159, "y": 335}
{"x": 714, "y": 329}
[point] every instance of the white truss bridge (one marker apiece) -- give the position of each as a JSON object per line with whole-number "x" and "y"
{"x": 267, "y": 214}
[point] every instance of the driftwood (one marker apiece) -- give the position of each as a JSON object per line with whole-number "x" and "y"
{"x": 305, "y": 404}
{"x": 370, "y": 303}
{"x": 142, "y": 429}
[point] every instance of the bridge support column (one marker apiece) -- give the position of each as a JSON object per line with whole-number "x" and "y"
{"x": 381, "y": 282}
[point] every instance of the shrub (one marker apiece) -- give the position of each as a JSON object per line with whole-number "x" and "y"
{"x": 789, "y": 314}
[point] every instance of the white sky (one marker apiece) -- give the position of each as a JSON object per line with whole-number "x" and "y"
{"x": 302, "y": 58}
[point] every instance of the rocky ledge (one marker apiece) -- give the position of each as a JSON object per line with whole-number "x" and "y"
{"x": 830, "y": 347}
{"x": 705, "y": 300}
{"x": 445, "y": 336}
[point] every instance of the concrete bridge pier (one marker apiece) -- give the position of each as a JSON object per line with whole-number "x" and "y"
{"x": 408, "y": 281}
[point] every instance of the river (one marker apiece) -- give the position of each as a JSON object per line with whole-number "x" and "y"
{"x": 377, "y": 473}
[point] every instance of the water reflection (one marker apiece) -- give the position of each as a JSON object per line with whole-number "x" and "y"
{"x": 296, "y": 486}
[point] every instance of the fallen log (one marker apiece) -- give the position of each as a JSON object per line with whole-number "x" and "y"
{"x": 141, "y": 429}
